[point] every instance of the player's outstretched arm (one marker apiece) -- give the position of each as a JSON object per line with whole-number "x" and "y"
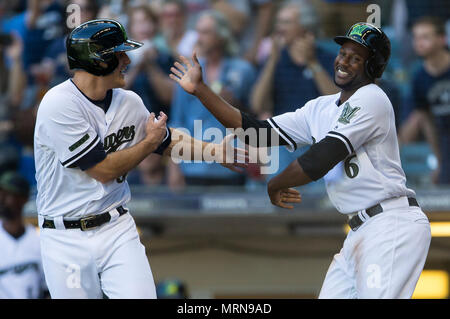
{"x": 190, "y": 79}
{"x": 279, "y": 188}
{"x": 185, "y": 147}
{"x": 311, "y": 166}
{"x": 119, "y": 163}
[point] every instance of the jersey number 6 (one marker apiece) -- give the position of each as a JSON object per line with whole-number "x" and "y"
{"x": 351, "y": 169}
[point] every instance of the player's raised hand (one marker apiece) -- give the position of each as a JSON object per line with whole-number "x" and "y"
{"x": 282, "y": 197}
{"x": 156, "y": 128}
{"x": 188, "y": 76}
{"x": 235, "y": 159}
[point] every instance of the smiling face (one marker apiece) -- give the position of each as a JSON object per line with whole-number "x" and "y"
{"x": 117, "y": 77}
{"x": 349, "y": 66}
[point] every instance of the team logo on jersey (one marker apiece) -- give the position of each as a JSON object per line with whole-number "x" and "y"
{"x": 114, "y": 140}
{"x": 348, "y": 113}
{"x": 18, "y": 269}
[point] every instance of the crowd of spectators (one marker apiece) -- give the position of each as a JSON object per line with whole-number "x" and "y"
{"x": 265, "y": 56}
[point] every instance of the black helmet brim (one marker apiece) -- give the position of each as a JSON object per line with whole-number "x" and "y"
{"x": 342, "y": 39}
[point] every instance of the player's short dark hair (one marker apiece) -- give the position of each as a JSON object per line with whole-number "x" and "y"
{"x": 436, "y": 22}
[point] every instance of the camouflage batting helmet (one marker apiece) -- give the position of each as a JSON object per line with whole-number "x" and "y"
{"x": 91, "y": 46}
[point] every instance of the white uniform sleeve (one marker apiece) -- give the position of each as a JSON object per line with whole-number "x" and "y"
{"x": 67, "y": 131}
{"x": 293, "y": 127}
{"x": 363, "y": 119}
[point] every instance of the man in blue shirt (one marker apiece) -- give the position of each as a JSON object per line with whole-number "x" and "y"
{"x": 54, "y": 66}
{"x": 230, "y": 77}
{"x": 38, "y": 26}
{"x": 431, "y": 94}
{"x": 296, "y": 71}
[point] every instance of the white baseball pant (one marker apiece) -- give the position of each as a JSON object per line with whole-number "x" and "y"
{"x": 383, "y": 258}
{"x": 109, "y": 260}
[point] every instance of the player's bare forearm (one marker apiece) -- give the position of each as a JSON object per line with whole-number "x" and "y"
{"x": 280, "y": 188}
{"x": 119, "y": 163}
{"x": 225, "y": 113}
{"x": 189, "y": 77}
{"x": 292, "y": 176}
{"x": 184, "y": 146}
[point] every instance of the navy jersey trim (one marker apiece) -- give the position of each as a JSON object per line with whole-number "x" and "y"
{"x": 282, "y": 133}
{"x": 91, "y": 158}
{"x": 165, "y": 143}
{"x": 104, "y": 104}
{"x": 344, "y": 139}
{"x": 86, "y": 149}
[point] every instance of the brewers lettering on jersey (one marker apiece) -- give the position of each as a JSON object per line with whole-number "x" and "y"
{"x": 89, "y": 133}
{"x": 354, "y": 148}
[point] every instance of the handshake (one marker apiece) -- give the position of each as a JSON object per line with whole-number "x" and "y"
{"x": 184, "y": 147}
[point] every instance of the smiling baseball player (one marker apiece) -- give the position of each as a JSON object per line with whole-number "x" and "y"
{"x": 89, "y": 133}
{"x": 353, "y": 134}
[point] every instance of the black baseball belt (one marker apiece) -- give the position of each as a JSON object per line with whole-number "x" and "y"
{"x": 87, "y": 222}
{"x": 356, "y": 221}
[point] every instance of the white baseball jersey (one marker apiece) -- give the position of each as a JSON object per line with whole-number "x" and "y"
{"x": 365, "y": 123}
{"x": 21, "y": 274}
{"x": 68, "y": 126}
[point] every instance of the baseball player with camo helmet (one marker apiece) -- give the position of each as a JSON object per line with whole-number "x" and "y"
{"x": 89, "y": 133}
{"x": 355, "y": 149}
